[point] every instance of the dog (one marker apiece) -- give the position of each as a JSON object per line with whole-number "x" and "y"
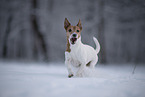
{"x": 77, "y": 54}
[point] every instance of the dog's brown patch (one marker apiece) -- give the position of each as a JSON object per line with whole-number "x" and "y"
{"x": 66, "y": 24}
{"x": 79, "y": 24}
{"x": 71, "y": 29}
{"x": 68, "y": 46}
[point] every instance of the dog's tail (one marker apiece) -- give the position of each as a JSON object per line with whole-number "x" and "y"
{"x": 97, "y": 45}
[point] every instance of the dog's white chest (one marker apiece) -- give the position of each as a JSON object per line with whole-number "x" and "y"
{"x": 75, "y": 57}
{"x": 76, "y": 52}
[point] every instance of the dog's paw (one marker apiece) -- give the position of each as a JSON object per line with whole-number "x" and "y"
{"x": 70, "y": 75}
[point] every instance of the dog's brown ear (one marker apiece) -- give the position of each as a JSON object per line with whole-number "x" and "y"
{"x": 79, "y": 24}
{"x": 66, "y": 24}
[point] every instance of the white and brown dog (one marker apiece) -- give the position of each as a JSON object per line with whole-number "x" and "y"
{"x": 78, "y": 54}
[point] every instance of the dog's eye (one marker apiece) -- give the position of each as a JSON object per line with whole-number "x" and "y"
{"x": 78, "y": 31}
{"x": 69, "y": 30}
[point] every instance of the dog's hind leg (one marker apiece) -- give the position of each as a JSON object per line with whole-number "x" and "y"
{"x": 92, "y": 64}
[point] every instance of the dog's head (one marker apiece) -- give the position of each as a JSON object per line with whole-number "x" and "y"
{"x": 73, "y": 32}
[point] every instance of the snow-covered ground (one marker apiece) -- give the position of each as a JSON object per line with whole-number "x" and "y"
{"x": 50, "y": 80}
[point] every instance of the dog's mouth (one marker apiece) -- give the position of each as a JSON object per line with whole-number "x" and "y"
{"x": 73, "y": 40}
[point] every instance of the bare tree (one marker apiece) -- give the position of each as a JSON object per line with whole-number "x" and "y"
{"x": 40, "y": 44}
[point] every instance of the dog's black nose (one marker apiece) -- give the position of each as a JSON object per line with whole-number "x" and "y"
{"x": 74, "y": 35}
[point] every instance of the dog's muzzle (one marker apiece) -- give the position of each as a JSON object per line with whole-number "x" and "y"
{"x": 73, "y": 39}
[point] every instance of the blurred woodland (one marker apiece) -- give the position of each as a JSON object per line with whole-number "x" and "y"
{"x": 34, "y": 29}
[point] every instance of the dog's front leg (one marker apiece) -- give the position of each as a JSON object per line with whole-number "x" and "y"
{"x": 80, "y": 70}
{"x": 68, "y": 64}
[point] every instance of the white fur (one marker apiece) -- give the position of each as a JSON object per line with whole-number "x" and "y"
{"x": 81, "y": 55}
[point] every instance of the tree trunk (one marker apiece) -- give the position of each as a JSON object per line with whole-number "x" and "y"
{"x": 39, "y": 42}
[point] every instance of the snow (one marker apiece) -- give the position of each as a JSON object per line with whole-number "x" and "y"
{"x": 50, "y": 80}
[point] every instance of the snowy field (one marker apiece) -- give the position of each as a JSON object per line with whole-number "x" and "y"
{"x": 50, "y": 80}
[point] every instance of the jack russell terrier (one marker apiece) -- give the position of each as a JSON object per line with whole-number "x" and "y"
{"x": 78, "y": 54}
